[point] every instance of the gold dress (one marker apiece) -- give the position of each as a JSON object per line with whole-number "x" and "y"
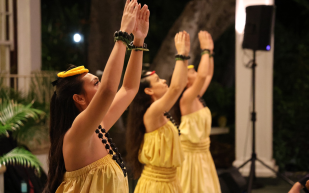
{"x": 103, "y": 175}
{"x": 198, "y": 173}
{"x": 161, "y": 154}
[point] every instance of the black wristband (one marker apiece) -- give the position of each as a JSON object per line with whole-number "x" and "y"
{"x": 181, "y": 57}
{"x": 123, "y": 36}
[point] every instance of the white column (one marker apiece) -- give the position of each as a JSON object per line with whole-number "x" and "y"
{"x": 264, "y": 99}
{"x": 29, "y": 39}
{"x": 43, "y": 158}
{"x": 6, "y": 37}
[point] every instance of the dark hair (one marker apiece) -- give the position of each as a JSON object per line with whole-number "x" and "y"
{"x": 62, "y": 114}
{"x": 136, "y": 128}
{"x": 175, "y": 110}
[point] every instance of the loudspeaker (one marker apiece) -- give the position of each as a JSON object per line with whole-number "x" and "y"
{"x": 231, "y": 181}
{"x": 258, "y": 28}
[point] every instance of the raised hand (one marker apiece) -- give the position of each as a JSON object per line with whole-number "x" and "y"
{"x": 205, "y": 40}
{"x": 182, "y": 43}
{"x": 129, "y": 16}
{"x": 142, "y": 23}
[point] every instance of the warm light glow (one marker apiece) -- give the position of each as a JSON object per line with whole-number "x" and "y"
{"x": 241, "y": 12}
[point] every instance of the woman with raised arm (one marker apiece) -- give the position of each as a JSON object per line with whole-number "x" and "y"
{"x": 198, "y": 173}
{"x": 153, "y": 145}
{"x": 82, "y": 156}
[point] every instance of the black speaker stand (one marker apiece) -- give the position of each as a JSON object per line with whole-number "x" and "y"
{"x": 254, "y": 158}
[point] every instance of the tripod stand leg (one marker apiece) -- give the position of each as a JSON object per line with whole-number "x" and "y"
{"x": 251, "y": 176}
{"x": 244, "y": 163}
{"x": 277, "y": 173}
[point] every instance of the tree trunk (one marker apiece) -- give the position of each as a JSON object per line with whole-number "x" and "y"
{"x": 105, "y": 18}
{"x": 211, "y": 15}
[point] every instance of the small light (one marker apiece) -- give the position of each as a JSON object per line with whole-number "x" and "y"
{"x": 77, "y": 38}
{"x": 268, "y": 47}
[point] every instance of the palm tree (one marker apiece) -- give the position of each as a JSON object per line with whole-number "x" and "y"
{"x": 12, "y": 118}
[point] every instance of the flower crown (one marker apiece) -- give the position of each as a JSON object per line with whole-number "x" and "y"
{"x": 190, "y": 66}
{"x": 72, "y": 72}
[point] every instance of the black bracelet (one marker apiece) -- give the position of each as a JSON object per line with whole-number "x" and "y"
{"x": 133, "y": 47}
{"x": 123, "y": 36}
{"x": 212, "y": 55}
{"x": 181, "y": 57}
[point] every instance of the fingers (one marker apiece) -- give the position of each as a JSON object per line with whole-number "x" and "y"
{"x": 132, "y": 6}
{"x": 126, "y": 5}
{"x": 137, "y": 7}
{"x": 180, "y": 35}
{"x": 147, "y": 15}
{"x": 185, "y": 34}
{"x": 188, "y": 37}
{"x": 177, "y": 37}
{"x": 137, "y": 10}
{"x": 143, "y": 12}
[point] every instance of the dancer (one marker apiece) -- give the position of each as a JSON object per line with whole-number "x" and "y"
{"x": 198, "y": 173}
{"x": 82, "y": 156}
{"x": 153, "y": 144}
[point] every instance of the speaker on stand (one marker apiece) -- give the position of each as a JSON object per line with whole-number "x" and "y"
{"x": 258, "y": 28}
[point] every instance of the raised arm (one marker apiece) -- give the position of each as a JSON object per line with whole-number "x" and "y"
{"x": 86, "y": 122}
{"x": 193, "y": 91}
{"x": 178, "y": 82}
{"x": 210, "y": 71}
{"x": 132, "y": 76}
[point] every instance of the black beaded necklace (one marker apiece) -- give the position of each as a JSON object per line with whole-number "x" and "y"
{"x": 112, "y": 149}
{"x": 202, "y": 101}
{"x": 169, "y": 116}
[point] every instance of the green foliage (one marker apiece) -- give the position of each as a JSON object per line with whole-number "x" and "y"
{"x": 291, "y": 88}
{"x": 221, "y": 101}
{"x": 22, "y": 157}
{"x": 13, "y": 115}
{"x": 41, "y": 89}
{"x": 19, "y": 121}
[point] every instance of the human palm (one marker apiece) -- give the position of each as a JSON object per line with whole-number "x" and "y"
{"x": 142, "y": 23}
{"x": 129, "y": 16}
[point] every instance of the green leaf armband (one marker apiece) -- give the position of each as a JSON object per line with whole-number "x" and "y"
{"x": 205, "y": 51}
{"x": 133, "y": 47}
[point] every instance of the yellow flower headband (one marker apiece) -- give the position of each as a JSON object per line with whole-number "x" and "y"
{"x": 190, "y": 66}
{"x": 72, "y": 72}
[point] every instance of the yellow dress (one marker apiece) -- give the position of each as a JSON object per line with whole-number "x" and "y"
{"x": 103, "y": 175}
{"x": 161, "y": 154}
{"x": 198, "y": 173}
